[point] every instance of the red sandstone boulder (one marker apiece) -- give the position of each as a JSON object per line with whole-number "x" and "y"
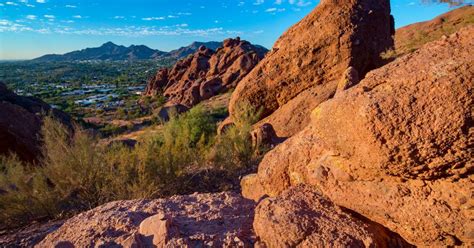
{"x": 307, "y": 62}
{"x": 198, "y": 220}
{"x": 206, "y": 73}
{"x": 301, "y": 217}
{"x": 397, "y": 148}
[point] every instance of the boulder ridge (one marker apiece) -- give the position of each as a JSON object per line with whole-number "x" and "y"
{"x": 206, "y": 73}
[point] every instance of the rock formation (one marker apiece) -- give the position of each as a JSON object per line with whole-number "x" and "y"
{"x": 20, "y": 123}
{"x": 306, "y": 63}
{"x": 301, "y": 217}
{"x": 206, "y": 73}
{"x": 397, "y": 148}
{"x": 199, "y": 220}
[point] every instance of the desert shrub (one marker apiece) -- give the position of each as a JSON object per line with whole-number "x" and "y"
{"x": 111, "y": 129}
{"x": 233, "y": 150}
{"x": 23, "y": 193}
{"x": 76, "y": 173}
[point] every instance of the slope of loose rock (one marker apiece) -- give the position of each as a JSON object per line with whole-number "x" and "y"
{"x": 206, "y": 73}
{"x": 20, "y": 123}
{"x": 310, "y": 59}
{"x": 211, "y": 220}
{"x": 397, "y": 148}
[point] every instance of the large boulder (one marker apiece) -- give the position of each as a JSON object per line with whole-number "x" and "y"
{"x": 397, "y": 148}
{"x": 307, "y": 62}
{"x": 198, "y": 220}
{"x": 301, "y": 217}
{"x": 20, "y": 123}
{"x": 206, "y": 73}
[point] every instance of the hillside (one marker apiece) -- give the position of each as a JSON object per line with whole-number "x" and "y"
{"x": 412, "y": 37}
{"x": 112, "y": 52}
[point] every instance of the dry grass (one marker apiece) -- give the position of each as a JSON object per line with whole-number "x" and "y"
{"x": 77, "y": 173}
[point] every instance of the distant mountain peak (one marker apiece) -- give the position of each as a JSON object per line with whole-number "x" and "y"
{"x": 109, "y": 43}
{"x": 110, "y": 51}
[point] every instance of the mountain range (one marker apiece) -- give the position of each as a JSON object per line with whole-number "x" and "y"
{"x": 113, "y": 52}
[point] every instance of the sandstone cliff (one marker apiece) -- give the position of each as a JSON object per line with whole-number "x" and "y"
{"x": 206, "y": 73}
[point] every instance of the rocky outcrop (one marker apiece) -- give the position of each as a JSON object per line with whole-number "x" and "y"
{"x": 199, "y": 220}
{"x": 206, "y": 73}
{"x": 306, "y": 63}
{"x": 20, "y": 123}
{"x": 397, "y": 148}
{"x": 301, "y": 217}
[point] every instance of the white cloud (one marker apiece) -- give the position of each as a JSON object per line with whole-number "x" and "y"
{"x": 41, "y": 1}
{"x": 5, "y": 22}
{"x": 153, "y": 18}
{"x": 71, "y": 6}
{"x": 31, "y": 17}
{"x": 11, "y": 3}
{"x": 77, "y": 17}
{"x": 259, "y": 2}
{"x": 128, "y": 31}
{"x": 49, "y": 16}
{"x": 274, "y": 10}
{"x": 30, "y": 5}
{"x": 8, "y": 26}
{"x": 299, "y": 3}
{"x": 119, "y": 17}
{"x": 302, "y": 3}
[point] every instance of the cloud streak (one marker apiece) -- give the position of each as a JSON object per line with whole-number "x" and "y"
{"x": 128, "y": 31}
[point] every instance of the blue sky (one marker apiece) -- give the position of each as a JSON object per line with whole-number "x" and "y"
{"x": 30, "y": 28}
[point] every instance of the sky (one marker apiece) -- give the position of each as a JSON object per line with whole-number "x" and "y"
{"x": 31, "y": 28}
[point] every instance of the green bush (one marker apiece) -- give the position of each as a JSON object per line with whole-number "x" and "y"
{"x": 233, "y": 149}
{"x": 76, "y": 173}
